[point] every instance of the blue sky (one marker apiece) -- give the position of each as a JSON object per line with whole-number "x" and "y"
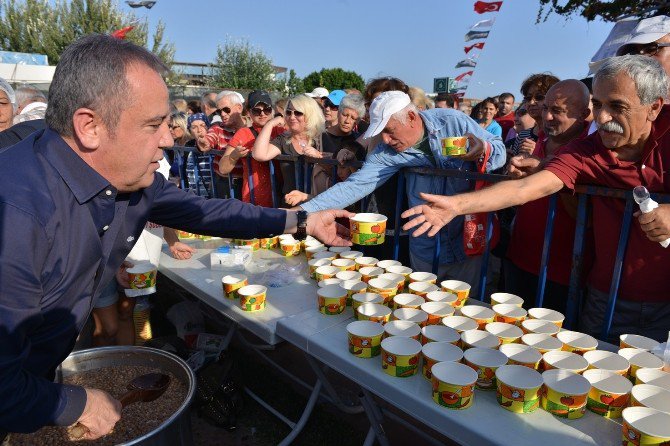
{"x": 413, "y": 40}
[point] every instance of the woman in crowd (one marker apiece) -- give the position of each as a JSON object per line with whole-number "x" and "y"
{"x": 419, "y": 98}
{"x": 533, "y": 89}
{"x": 180, "y": 105}
{"x": 489, "y": 108}
{"x": 260, "y": 110}
{"x": 280, "y": 106}
{"x": 339, "y": 141}
{"x": 331, "y": 105}
{"x": 178, "y": 124}
{"x": 7, "y": 102}
{"x": 193, "y": 107}
{"x": 304, "y": 124}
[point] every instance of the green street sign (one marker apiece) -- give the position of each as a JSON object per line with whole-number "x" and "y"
{"x": 440, "y": 84}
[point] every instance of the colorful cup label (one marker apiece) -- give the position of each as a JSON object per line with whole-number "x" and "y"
{"x": 368, "y": 233}
{"x": 332, "y": 305}
{"x": 452, "y": 396}
{"x": 486, "y": 376}
{"x": 562, "y": 405}
{"x": 517, "y": 400}
{"x": 401, "y": 366}
{"x": 608, "y": 405}
{"x": 230, "y": 289}
{"x": 254, "y": 302}
{"x": 365, "y": 347}
{"x": 454, "y": 146}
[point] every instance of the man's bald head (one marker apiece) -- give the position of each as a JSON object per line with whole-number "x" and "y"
{"x": 566, "y": 106}
{"x": 574, "y": 91}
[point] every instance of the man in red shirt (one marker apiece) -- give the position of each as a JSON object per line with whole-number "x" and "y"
{"x": 218, "y": 136}
{"x": 564, "y": 111}
{"x": 630, "y": 148}
{"x": 505, "y": 116}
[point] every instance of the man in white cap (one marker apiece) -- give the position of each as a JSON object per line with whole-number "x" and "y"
{"x": 319, "y": 94}
{"x": 651, "y": 37}
{"x": 413, "y": 139}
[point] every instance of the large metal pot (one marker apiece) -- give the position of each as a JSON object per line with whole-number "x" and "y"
{"x": 176, "y": 430}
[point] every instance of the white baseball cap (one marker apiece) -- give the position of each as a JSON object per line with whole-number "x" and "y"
{"x": 650, "y": 30}
{"x": 382, "y": 108}
{"x": 318, "y": 92}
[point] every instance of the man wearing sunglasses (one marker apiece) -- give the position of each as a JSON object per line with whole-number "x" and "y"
{"x": 229, "y": 108}
{"x": 651, "y": 37}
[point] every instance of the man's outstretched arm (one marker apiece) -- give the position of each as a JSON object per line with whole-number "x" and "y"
{"x": 440, "y": 210}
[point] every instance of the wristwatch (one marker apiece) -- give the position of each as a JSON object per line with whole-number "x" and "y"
{"x": 301, "y": 232}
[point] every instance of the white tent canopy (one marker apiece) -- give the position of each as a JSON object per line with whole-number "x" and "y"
{"x": 32, "y": 74}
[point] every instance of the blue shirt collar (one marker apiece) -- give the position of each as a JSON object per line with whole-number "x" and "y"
{"x": 84, "y": 182}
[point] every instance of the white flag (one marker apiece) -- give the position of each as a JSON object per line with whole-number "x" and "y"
{"x": 483, "y": 24}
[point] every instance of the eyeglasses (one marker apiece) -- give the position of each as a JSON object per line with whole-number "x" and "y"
{"x": 537, "y": 97}
{"x": 226, "y": 110}
{"x": 294, "y": 112}
{"x": 649, "y": 49}
{"x": 330, "y": 105}
{"x": 521, "y": 112}
{"x": 173, "y": 127}
{"x": 256, "y": 111}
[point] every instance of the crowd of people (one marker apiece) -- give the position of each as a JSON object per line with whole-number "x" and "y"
{"x": 90, "y": 158}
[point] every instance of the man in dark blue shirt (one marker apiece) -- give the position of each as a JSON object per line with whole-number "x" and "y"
{"x": 74, "y": 198}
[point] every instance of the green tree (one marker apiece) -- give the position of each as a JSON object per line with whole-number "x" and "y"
{"x": 294, "y": 84}
{"x": 333, "y": 79}
{"x": 609, "y": 11}
{"x": 48, "y": 27}
{"x": 238, "y": 65}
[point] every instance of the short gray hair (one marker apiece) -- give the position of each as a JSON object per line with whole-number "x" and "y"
{"x": 29, "y": 93}
{"x": 401, "y": 116}
{"x": 354, "y": 102}
{"x": 651, "y": 80}
{"x": 91, "y": 74}
{"x": 233, "y": 97}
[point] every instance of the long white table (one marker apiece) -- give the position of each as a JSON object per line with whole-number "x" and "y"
{"x": 291, "y": 314}
{"x": 484, "y": 423}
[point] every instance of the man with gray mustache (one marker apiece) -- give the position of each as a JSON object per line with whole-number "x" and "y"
{"x": 630, "y": 148}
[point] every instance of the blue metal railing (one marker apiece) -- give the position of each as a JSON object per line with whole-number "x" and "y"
{"x": 303, "y": 169}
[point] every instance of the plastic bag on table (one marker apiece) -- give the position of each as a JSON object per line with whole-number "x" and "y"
{"x": 282, "y": 274}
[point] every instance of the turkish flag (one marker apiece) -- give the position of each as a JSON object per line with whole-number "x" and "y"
{"x": 462, "y": 75}
{"x": 121, "y": 33}
{"x": 482, "y": 7}
{"x": 478, "y": 45}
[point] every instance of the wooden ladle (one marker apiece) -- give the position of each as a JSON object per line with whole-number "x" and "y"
{"x": 145, "y": 388}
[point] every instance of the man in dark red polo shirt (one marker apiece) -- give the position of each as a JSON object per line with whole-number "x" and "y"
{"x": 564, "y": 111}
{"x": 630, "y": 148}
{"x": 505, "y": 115}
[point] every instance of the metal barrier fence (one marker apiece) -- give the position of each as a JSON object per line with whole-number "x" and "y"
{"x": 303, "y": 169}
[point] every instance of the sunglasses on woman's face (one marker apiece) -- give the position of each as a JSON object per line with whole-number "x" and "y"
{"x": 256, "y": 111}
{"x": 330, "y": 105}
{"x": 521, "y": 112}
{"x": 537, "y": 97}
{"x": 294, "y": 112}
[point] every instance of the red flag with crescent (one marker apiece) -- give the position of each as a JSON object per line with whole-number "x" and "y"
{"x": 478, "y": 45}
{"x": 482, "y": 7}
{"x": 121, "y": 33}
